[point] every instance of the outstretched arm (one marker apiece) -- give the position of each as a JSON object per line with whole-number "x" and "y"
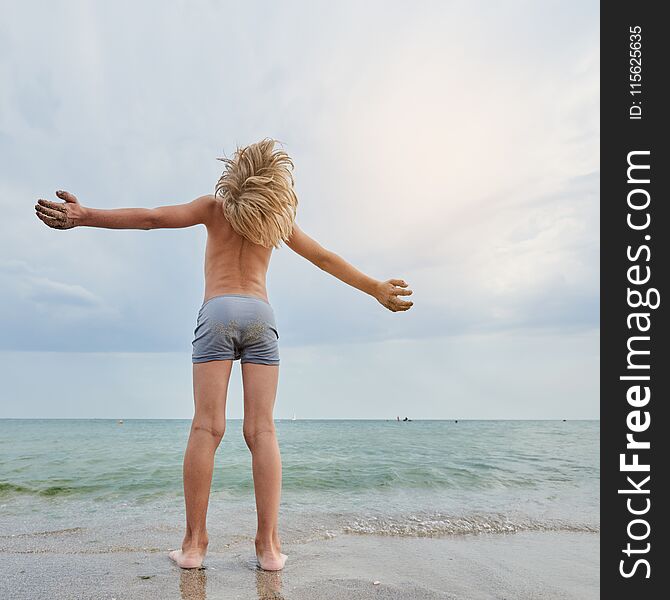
{"x": 70, "y": 213}
{"x": 385, "y": 292}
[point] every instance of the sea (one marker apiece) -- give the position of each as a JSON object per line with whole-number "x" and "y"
{"x": 118, "y": 485}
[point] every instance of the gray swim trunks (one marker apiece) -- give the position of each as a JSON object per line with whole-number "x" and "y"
{"x": 236, "y": 327}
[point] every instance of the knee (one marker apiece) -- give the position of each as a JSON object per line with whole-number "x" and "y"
{"x": 252, "y": 431}
{"x": 215, "y": 428}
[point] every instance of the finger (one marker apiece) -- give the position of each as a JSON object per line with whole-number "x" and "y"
{"x": 401, "y": 292}
{"x": 67, "y": 196}
{"x": 398, "y": 282}
{"x": 50, "y": 221}
{"x": 49, "y": 212}
{"x": 397, "y": 302}
{"x": 49, "y": 204}
{"x": 46, "y": 218}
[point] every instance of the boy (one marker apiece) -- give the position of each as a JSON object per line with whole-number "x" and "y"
{"x": 251, "y": 212}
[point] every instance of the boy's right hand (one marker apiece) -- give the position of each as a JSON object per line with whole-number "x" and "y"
{"x": 387, "y": 295}
{"x": 60, "y": 215}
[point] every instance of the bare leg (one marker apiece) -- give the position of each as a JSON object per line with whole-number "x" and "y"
{"x": 260, "y": 388}
{"x": 210, "y": 385}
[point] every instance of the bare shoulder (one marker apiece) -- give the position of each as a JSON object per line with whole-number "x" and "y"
{"x": 209, "y": 206}
{"x": 296, "y": 239}
{"x": 208, "y": 201}
{"x": 298, "y": 236}
{"x": 304, "y": 245}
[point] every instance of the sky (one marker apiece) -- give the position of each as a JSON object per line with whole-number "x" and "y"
{"x": 451, "y": 144}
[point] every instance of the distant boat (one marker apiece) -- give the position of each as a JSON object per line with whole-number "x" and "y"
{"x": 294, "y": 418}
{"x": 120, "y": 421}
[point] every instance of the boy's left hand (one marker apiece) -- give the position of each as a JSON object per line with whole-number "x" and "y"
{"x": 387, "y": 295}
{"x": 60, "y": 215}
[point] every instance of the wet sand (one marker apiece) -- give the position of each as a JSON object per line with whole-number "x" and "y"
{"x": 530, "y": 565}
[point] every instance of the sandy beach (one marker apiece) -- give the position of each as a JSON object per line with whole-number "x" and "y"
{"x": 530, "y": 565}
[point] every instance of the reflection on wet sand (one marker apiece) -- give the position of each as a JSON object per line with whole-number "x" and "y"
{"x": 268, "y": 585}
{"x": 193, "y": 584}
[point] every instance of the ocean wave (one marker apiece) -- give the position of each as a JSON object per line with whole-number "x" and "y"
{"x": 9, "y": 489}
{"x": 241, "y": 484}
{"x": 51, "y": 532}
{"x": 441, "y": 525}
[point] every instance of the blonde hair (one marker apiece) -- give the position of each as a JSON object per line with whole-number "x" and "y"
{"x": 257, "y": 191}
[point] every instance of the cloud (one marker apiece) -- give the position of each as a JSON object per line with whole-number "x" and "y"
{"x": 40, "y": 311}
{"x": 29, "y": 286}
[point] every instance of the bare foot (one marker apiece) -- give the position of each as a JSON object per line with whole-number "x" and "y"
{"x": 270, "y": 559}
{"x": 270, "y": 562}
{"x": 189, "y": 559}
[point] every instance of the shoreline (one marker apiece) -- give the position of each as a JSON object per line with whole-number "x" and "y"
{"x": 526, "y": 565}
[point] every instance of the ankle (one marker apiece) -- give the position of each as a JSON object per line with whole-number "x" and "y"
{"x": 191, "y": 546}
{"x": 265, "y": 544}
{"x": 192, "y": 542}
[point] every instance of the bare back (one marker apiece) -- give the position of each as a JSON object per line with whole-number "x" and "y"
{"x": 233, "y": 264}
